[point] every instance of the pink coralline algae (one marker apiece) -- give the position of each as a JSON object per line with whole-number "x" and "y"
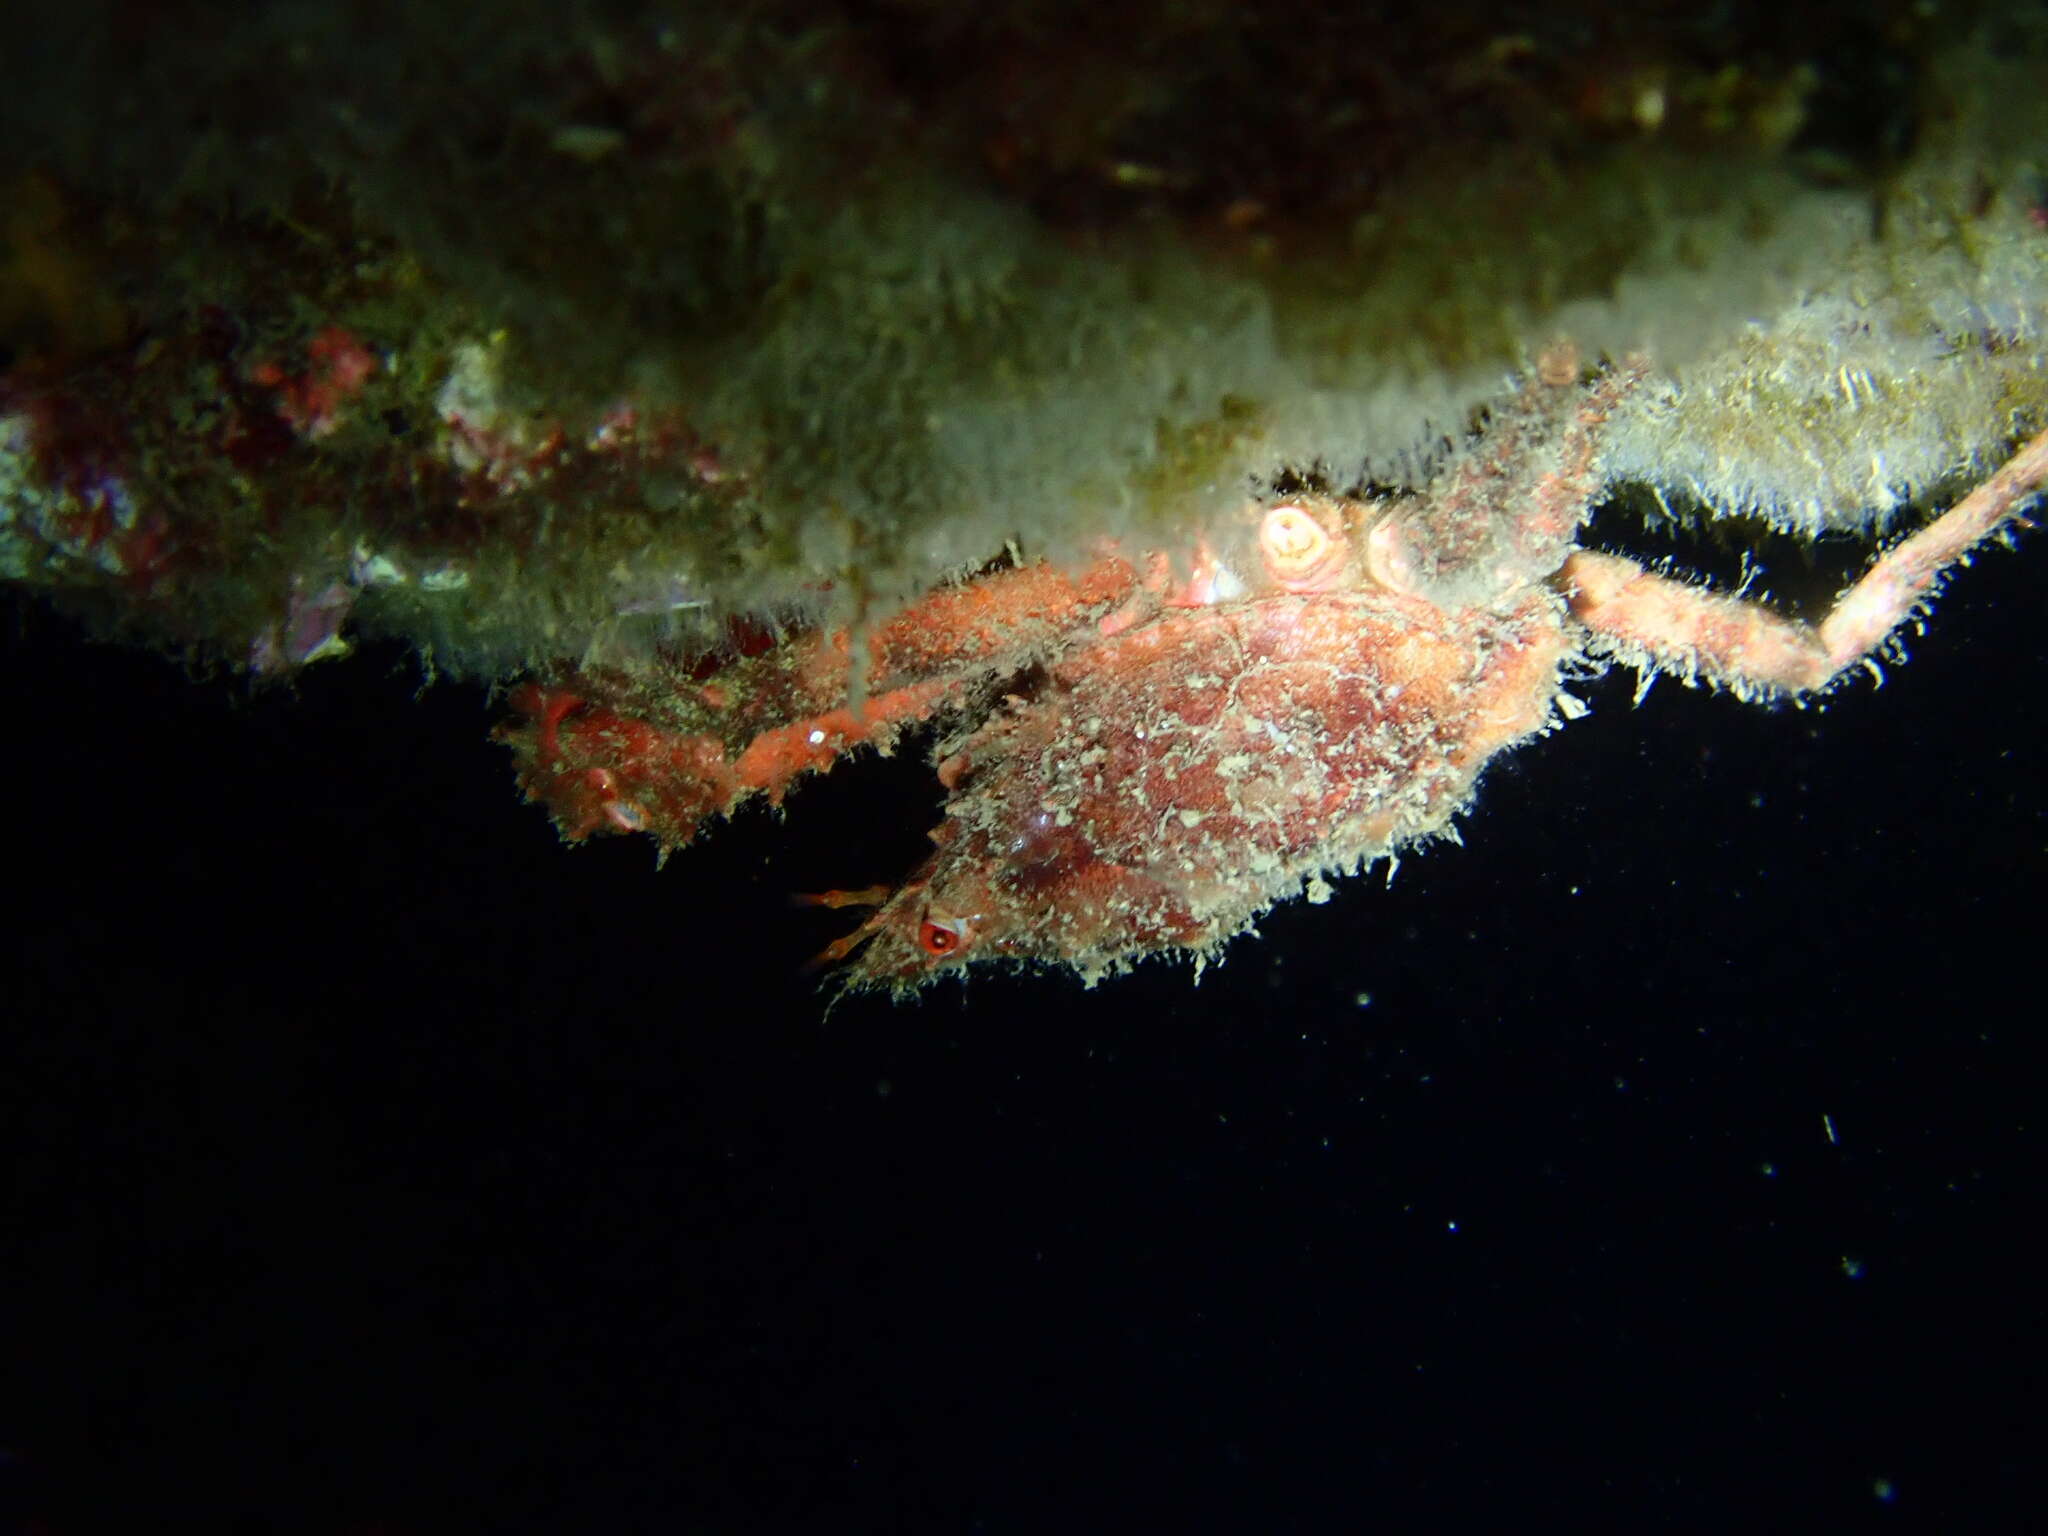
{"x": 312, "y": 400}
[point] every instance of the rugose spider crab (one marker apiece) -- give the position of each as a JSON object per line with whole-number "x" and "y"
{"x": 1140, "y": 759}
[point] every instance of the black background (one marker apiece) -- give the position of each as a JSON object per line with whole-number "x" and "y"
{"x": 375, "y": 1163}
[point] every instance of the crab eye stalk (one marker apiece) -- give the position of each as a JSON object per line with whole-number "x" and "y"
{"x": 1300, "y": 553}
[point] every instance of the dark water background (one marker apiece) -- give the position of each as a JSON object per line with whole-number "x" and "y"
{"x": 372, "y": 1163}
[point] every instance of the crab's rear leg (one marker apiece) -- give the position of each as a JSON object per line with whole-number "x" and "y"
{"x": 1653, "y": 622}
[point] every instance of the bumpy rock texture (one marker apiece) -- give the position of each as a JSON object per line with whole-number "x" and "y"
{"x": 536, "y": 331}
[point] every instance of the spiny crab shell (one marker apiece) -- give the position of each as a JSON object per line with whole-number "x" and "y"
{"x": 1140, "y": 760}
{"x": 1177, "y": 779}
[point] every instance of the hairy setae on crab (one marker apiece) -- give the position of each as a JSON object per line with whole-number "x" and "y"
{"x": 1143, "y": 755}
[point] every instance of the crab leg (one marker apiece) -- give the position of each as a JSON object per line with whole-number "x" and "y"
{"x": 1656, "y": 623}
{"x": 660, "y": 748}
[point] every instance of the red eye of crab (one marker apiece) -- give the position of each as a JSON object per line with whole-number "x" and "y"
{"x": 942, "y": 935}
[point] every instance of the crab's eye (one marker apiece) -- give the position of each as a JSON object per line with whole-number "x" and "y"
{"x": 1299, "y": 552}
{"x": 943, "y": 935}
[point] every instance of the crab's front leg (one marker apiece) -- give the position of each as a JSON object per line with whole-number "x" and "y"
{"x": 1658, "y": 623}
{"x": 661, "y": 746}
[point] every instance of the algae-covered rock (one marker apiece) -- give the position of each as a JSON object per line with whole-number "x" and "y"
{"x": 662, "y": 317}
